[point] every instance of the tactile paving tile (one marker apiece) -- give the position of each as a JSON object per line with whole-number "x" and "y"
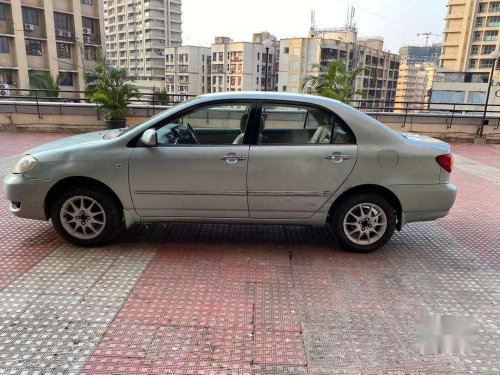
{"x": 233, "y": 299}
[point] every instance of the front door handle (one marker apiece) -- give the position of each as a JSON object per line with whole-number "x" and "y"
{"x": 337, "y": 157}
{"x": 232, "y": 158}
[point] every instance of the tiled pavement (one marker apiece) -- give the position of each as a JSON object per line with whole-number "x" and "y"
{"x": 221, "y": 299}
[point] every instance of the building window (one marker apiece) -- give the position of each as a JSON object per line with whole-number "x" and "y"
{"x": 283, "y": 88}
{"x": 2, "y": 12}
{"x": 472, "y": 64}
{"x": 214, "y": 57}
{"x": 86, "y": 2}
{"x": 258, "y": 68}
{"x": 257, "y": 80}
{"x": 30, "y": 16}
{"x": 479, "y": 21}
{"x": 477, "y": 36}
{"x": 66, "y": 79}
{"x": 4, "y": 44}
{"x": 221, "y": 56}
{"x": 488, "y": 49}
{"x": 493, "y": 21}
{"x": 63, "y": 50}
{"x": 62, "y": 21}
{"x": 495, "y": 6}
{"x": 286, "y": 50}
{"x": 258, "y": 56}
{"x": 486, "y": 63}
{"x": 491, "y": 36}
{"x": 482, "y": 7}
{"x": 473, "y": 51}
{"x": 33, "y": 47}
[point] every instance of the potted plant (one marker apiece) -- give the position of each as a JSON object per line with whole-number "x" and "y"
{"x": 113, "y": 89}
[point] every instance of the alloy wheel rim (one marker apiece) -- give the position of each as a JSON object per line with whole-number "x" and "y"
{"x": 83, "y": 217}
{"x": 365, "y": 223}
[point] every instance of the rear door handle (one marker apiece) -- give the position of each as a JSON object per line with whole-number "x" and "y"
{"x": 232, "y": 158}
{"x": 337, "y": 157}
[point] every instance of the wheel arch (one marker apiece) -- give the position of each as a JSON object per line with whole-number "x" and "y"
{"x": 74, "y": 181}
{"x": 371, "y": 189}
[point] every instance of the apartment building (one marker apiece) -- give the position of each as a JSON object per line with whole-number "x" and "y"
{"x": 411, "y": 91}
{"x": 298, "y": 55}
{"x": 59, "y": 37}
{"x": 188, "y": 70}
{"x": 137, "y": 33}
{"x": 471, "y": 34}
{"x": 241, "y": 66}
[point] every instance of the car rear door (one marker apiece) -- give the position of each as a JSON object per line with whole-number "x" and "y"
{"x": 302, "y": 155}
{"x": 189, "y": 179}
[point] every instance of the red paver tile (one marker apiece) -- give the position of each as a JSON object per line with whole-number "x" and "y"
{"x": 486, "y": 154}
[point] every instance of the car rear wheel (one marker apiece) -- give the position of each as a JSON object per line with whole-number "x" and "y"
{"x": 86, "y": 217}
{"x": 363, "y": 223}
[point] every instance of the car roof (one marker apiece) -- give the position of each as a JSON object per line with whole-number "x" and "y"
{"x": 268, "y": 95}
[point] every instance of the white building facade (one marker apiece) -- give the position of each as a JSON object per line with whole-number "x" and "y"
{"x": 187, "y": 70}
{"x": 137, "y": 33}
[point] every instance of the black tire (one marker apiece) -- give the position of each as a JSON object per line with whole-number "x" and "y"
{"x": 341, "y": 210}
{"x": 112, "y": 222}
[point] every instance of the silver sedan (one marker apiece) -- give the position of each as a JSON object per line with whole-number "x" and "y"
{"x": 256, "y": 158}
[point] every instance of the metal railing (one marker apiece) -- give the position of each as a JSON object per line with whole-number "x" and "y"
{"x": 155, "y": 101}
{"x": 41, "y": 98}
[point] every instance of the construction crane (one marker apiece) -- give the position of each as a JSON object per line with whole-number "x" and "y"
{"x": 427, "y": 36}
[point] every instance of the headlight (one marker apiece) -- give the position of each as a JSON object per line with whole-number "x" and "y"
{"x": 24, "y": 165}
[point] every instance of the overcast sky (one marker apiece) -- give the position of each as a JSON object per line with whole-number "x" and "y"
{"x": 398, "y": 21}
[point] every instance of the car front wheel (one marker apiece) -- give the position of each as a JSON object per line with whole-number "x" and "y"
{"x": 363, "y": 223}
{"x": 86, "y": 217}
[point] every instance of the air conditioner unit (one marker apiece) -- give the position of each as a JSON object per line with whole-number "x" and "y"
{"x": 86, "y": 39}
{"x": 59, "y": 32}
{"x": 29, "y": 27}
{"x": 87, "y": 31}
{"x": 67, "y": 34}
{"x": 4, "y": 90}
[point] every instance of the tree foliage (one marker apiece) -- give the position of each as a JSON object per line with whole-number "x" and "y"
{"x": 112, "y": 88}
{"x": 47, "y": 86}
{"x": 334, "y": 81}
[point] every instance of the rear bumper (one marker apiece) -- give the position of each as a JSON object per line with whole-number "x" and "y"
{"x": 424, "y": 202}
{"x": 26, "y": 196}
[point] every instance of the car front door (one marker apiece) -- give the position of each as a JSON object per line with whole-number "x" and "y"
{"x": 301, "y": 157}
{"x": 198, "y": 167}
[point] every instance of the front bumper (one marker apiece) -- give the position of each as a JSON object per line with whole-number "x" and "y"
{"x": 27, "y": 196}
{"x": 424, "y": 202}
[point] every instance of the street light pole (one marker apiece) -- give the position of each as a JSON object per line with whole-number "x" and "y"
{"x": 267, "y": 45}
{"x": 495, "y": 55}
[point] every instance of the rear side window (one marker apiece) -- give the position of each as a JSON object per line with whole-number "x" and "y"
{"x": 291, "y": 124}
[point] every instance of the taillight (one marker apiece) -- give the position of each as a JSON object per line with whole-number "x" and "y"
{"x": 446, "y": 162}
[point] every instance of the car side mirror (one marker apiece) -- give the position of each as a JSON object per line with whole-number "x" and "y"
{"x": 149, "y": 138}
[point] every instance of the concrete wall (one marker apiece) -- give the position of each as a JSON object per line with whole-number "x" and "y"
{"x": 77, "y": 118}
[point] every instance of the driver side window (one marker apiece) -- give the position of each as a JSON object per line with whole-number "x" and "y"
{"x": 218, "y": 124}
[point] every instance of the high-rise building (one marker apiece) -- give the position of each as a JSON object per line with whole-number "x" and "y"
{"x": 299, "y": 55}
{"x": 471, "y": 34}
{"x": 241, "y": 66}
{"x": 188, "y": 70}
{"x": 137, "y": 33}
{"x": 59, "y": 37}
{"x": 420, "y": 54}
{"x": 414, "y": 83}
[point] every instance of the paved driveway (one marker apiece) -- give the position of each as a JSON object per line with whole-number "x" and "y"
{"x": 210, "y": 299}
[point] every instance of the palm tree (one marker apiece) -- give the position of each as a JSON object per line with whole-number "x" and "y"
{"x": 113, "y": 89}
{"x": 48, "y": 85}
{"x": 334, "y": 81}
